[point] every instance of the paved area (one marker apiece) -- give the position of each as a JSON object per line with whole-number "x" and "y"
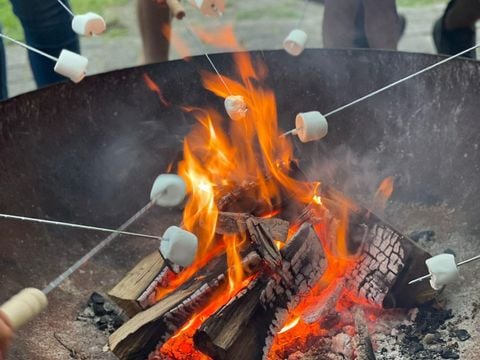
{"x": 258, "y": 25}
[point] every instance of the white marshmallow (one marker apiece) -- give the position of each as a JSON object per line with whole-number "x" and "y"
{"x": 179, "y": 246}
{"x": 168, "y": 190}
{"x": 294, "y": 43}
{"x": 210, "y": 7}
{"x": 443, "y": 270}
{"x": 71, "y": 65}
{"x": 236, "y": 107}
{"x": 88, "y": 24}
{"x": 311, "y": 126}
{"x": 24, "y": 307}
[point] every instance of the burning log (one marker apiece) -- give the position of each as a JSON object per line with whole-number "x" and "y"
{"x": 387, "y": 259}
{"x": 234, "y": 223}
{"x": 364, "y": 347}
{"x": 245, "y": 327}
{"x": 145, "y": 331}
{"x": 127, "y": 292}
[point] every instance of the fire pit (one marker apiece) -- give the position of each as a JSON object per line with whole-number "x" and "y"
{"x": 72, "y": 151}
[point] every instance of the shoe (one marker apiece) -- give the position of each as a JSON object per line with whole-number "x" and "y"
{"x": 451, "y": 42}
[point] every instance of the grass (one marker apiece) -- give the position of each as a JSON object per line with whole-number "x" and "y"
{"x": 411, "y": 3}
{"x": 11, "y": 25}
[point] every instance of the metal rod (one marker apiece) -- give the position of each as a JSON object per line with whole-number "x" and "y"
{"x": 53, "y": 58}
{"x": 376, "y": 92}
{"x": 204, "y": 49}
{"x": 76, "y": 226}
{"x": 302, "y": 14}
{"x": 84, "y": 259}
{"x": 428, "y": 68}
{"x": 66, "y": 7}
{"x": 425, "y": 277}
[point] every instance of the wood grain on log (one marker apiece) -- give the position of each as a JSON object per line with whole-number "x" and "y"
{"x": 131, "y": 287}
{"x": 387, "y": 259}
{"x": 245, "y": 327}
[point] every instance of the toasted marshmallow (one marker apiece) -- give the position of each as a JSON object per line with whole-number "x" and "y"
{"x": 236, "y": 107}
{"x": 89, "y": 24}
{"x": 294, "y": 43}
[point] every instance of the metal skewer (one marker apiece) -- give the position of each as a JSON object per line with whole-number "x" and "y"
{"x": 425, "y": 277}
{"x": 77, "y": 226}
{"x": 53, "y": 58}
{"x": 389, "y": 86}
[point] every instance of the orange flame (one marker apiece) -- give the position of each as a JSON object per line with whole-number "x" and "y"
{"x": 384, "y": 192}
{"x": 290, "y": 325}
{"x": 155, "y": 88}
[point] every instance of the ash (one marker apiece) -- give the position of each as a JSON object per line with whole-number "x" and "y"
{"x": 101, "y": 313}
{"x": 448, "y": 328}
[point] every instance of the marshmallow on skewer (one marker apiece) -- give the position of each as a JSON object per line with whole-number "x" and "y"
{"x": 179, "y": 246}
{"x": 443, "y": 270}
{"x": 168, "y": 190}
{"x": 236, "y": 107}
{"x": 71, "y": 65}
{"x": 24, "y": 307}
{"x": 310, "y": 126}
{"x": 210, "y": 7}
{"x": 294, "y": 43}
{"x": 88, "y": 24}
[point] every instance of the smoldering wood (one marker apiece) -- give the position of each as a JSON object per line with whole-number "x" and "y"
{"x": 363, "y": 344}
{"x": 386, "y": 259}
{"x": 245, "y": 327}
{"x": 263, "y": 242}
{"x": 152, "y": 327}
{"x": 235, "y": 223}
{"x": 126, "y": 293}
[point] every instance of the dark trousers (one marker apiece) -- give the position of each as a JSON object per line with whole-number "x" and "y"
{"x": 47, "y": 27}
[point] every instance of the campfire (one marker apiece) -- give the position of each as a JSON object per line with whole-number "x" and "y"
{"x": 281, "y": 260}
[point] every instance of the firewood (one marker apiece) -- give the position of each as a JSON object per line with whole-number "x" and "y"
{"x": 152, "y": 327}
{"x": 131, "y": 287}
{"x": 263, "y": 242}
{"x": 234, "y": 223}
{"x": 387, "y": 259}
{"x": 244, "y": 328}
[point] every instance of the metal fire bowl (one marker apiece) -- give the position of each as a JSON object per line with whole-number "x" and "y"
{"x": 89, "y": 153}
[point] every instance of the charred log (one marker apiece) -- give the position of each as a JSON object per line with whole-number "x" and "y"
{"x": 234, "y": 223}
{"x": 245, "y": 327}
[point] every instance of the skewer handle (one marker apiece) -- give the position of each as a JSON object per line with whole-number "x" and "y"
{"x": 24, "y": 307}
{"x": 176, "y": 8}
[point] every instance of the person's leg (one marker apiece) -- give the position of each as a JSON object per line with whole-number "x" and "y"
{"x": 455, "y": 30}
{"x": 3, "y": 71}
{"x": 463, "y": 14}
{"x": 154, "y": 23}
{"x": 47, "y": 26}
{"x": 382, "y": 25}
{"x": 339, "y": 23}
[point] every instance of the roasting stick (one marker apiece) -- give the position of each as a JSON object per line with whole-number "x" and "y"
{"x": 320, "y": 117}
{"x": 177, "y": 245}
{"x": 425, "y": 277}
{"x": 68, "y": 64}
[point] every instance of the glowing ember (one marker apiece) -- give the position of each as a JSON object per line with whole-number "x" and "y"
{"x": 290, "y": 325}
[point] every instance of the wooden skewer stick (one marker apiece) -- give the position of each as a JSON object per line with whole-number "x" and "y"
{"x": 176, "y": 8}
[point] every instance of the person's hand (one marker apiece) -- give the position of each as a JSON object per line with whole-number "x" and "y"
{"x": 6, "y": 335}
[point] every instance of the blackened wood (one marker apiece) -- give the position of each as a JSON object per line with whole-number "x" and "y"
{"x": 234, "y": 223}
{"x": 386, "y": 259}
{"x": 245, "y": 327}
{"x": 364, "y": 348}
{"x": 263, "y": 242}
